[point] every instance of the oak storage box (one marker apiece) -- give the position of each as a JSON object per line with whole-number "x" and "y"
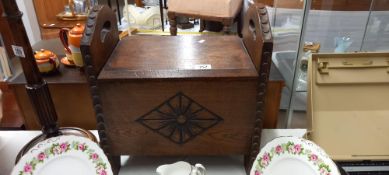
{"x": 348, "y": 97}
{"x": 159, "y": 101}
{"x": 182, "y": 95}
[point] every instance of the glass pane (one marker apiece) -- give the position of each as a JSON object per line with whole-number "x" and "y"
{"x": 377, "y": 31}
{"x": 332, "y": 26}
{"x": 324, "y": 26}
{"x": 286, "y": 18}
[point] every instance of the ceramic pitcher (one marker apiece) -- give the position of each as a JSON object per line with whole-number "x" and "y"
{"x": 71, "y": 39}
{"x": 181, "y": 168}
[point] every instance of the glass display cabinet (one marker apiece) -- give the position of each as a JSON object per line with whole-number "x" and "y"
{"x": 301, "y": 27}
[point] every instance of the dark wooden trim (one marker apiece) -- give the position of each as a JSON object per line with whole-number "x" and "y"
{"x": 36, "y": 87}
{"x": 14, "y": 18}
{"x": 100, "y": 38}
{"x": 258, "y": 40}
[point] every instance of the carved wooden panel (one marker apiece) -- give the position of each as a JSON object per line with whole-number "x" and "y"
{"x": 179, "y": 119}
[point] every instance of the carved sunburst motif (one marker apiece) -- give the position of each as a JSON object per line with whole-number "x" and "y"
{"x": 179, "y": 119}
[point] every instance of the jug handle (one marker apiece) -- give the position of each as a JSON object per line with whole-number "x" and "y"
{"x": 200, "y": 168}
{"x": 63, "y": 35}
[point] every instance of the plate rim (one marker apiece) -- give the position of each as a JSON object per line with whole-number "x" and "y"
{"x": 39, "y": 152}
{"x": 320, "y": 158}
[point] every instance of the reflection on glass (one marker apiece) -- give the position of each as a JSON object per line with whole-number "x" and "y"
{"x": 286, "y": 19}
{"x": 377, "y": 31}
{"x": 336, "y": 26}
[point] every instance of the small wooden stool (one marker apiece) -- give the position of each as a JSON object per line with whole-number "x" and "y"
{"x": 224, "y": 11}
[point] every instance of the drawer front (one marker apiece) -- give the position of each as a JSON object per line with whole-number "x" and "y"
{"x": 179, "y": 118}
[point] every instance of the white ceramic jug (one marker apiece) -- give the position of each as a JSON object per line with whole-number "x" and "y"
{"x": 181, "y": 168}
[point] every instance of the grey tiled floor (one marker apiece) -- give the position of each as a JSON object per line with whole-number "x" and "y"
{"x": 299, "y": 119}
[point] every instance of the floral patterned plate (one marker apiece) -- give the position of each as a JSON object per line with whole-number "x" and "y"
{"x": 293, "y": 156}
{"x": 64, "y": 155}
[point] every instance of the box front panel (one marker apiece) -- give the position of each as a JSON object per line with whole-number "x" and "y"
{"x": 179, "y": 118}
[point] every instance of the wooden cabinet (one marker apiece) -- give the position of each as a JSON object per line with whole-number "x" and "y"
{"x": 69, "y": 92}
{"x": 71, "y": 96}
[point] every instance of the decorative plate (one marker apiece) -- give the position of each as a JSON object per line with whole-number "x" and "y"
{"x": 64, "y": 155}
{"x": 294, "y": 156}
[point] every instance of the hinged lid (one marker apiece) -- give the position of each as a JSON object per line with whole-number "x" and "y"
{"x": 167, "y": 57}
{"x": 348, "y": 105}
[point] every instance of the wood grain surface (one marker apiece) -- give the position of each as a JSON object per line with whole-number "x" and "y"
{"x": 153, "y": 57}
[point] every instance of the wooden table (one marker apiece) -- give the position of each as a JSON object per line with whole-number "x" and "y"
{"x": 68, "y": 90}
{"x": 71, "y": 97}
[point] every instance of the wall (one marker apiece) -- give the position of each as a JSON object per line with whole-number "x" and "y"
{"x": 29, "y": 20}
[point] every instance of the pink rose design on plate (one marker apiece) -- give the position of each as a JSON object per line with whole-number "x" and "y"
{"x": 279, "y": 149}
{"x": 257, "y": 172}
{"x": 41, "y": 156}
{"x": 297, "y": 148}
{"x": 63, "y": 147}
{"x": 27, "y": 168}
{"x": 81, "y": 147}
{"x": 313, "y": 157}
{"x": 94, "y": 156}
{"x": 102, "y": 172}
{"x": 265, "y": 159}
{"x": 324, "y": 171}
